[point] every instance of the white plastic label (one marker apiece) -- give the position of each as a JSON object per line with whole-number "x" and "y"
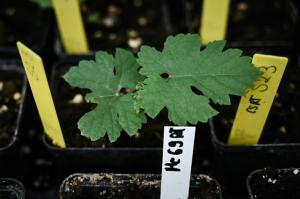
{"x": 177, "y": 161}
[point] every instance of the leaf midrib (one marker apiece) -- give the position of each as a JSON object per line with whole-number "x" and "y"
{"x": 204, "y": 75}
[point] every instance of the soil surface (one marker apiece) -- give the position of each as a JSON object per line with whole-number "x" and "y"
{"x": 131, "y": 186}
{"x": 8, "y": 194}
{"x": 267, "y": 20}
{"x": 10, "y": 99}
{"x": 107, "y": 23}
{"x": 129, "y": 24}
{"x": 10, "y": 189}
{"x": 276, "y": 184}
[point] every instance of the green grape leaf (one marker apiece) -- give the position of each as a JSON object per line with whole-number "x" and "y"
{"x": 184, "y": 79}
{"x": 106, "y": 78}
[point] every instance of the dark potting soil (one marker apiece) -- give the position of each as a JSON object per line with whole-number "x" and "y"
{"x": 7, "y": 194}
{"x": 24, "y": 21}
{"x": 11, "y": 189}
{"x": 10, "y": 99}
{"x": 71, "y": 107}
{"x": 275, "y": 184}
{"x": 265, "y": 20}
{"x": 127, "y": 23}
{"x": 283, "y": 122}
{"x": 130, "y": 186}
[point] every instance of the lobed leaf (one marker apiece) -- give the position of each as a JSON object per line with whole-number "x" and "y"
{"x": 174, "y": 74}
{"x": 106, "y": 77}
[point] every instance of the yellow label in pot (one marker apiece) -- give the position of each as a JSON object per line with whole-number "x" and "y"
{"x": 70, "y": 26}
{"x": 214, "y": 20}
{"x": 36, "y": 76}
{"x": 254, "y": 108}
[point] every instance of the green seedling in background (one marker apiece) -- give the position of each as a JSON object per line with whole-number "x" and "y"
{"x": 43, "y": 3}
{"x": 91, "y": 16}
{"x": 48, "y": 3}
{"x": 127, "y": 89}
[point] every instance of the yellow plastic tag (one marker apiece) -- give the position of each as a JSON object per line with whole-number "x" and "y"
{"x": 36, "y": 76}
{"x": 254, "y": 108}
{"x": 70, "y": 26}
{"x": 214, "y": 20}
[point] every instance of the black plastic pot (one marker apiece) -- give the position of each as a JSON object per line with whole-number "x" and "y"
{"x": 124, "y": 23}
{"x": 263, "y": 25}
{"x": 131, "y": 186}
{"x": 274, "y": 183}
{"x": 15, "y": 24}
{"x": 11, "y": 189}
{"x": 279, "y": 144}
{"x": 137, "y": 154}
{"x": 234, "y": 163}
{"x": 11, "y": 118}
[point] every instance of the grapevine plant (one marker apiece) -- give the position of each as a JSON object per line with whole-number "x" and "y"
{"x": 125, "y": 89}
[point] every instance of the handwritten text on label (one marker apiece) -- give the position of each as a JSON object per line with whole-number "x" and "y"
{"x": 254, "y": 108}
{"x": 177, "y": 161}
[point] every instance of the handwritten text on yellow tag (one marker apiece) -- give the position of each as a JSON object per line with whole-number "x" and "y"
{"x": 254, "y": 108}
{"x": 36, "y": 76}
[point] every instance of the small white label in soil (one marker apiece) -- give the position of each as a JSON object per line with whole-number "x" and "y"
{"x": 177, "y": 161}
